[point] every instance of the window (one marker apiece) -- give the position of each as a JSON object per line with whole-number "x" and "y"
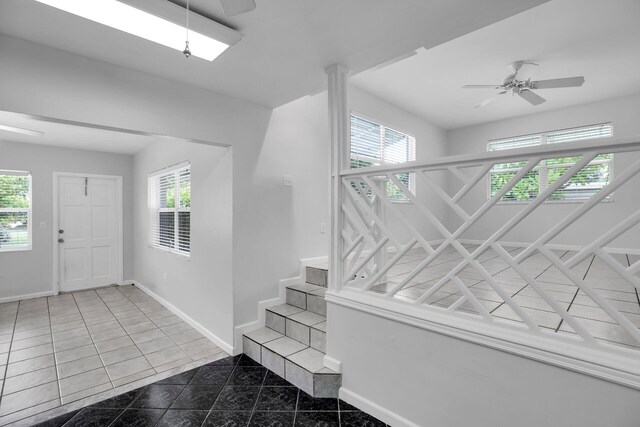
{"x": 15, "y": 210}
{"x": 373, "y": 144}
{"x": 170, "y": 209}
{"x": 581, "y": 186}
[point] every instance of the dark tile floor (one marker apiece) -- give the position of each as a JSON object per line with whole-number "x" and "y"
{"x": 231, "y": 392}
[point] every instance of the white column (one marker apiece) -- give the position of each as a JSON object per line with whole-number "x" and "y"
{"x": 339, "y": 130}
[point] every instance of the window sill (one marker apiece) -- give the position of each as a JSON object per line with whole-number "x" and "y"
{"x": 29, "y": 248}
{"x": 556, "y": 202}
{"x": 179, "y": 255}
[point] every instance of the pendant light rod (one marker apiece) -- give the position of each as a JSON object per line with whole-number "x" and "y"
{"x": 187, "y": 51}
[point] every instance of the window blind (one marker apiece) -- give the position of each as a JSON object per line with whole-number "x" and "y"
{"x": 583, "y": 185}
{"x": 15, "y": 210}
{"x": 373, "y": 144}
{"x": 170, "y": 209}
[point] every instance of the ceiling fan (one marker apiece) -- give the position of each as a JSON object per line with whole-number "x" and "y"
{"x": 524, "y": 88}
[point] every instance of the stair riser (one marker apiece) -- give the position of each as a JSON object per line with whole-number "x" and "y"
{"x": 316, "y": 276}
{"x": 252, "y": 349}
{"x": 298, "y": 332}
{"x": 276, "y": 322}
{"x": 306, "y": 335}
{"x": 314, "y": 303}
{"x": 273, "y": 362}
{"x": 318, "y": 340}
{"x": 297, "y": 298}
{"x": 317, "y": 385}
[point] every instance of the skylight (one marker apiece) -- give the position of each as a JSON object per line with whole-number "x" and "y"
{"x": 142, "y": 24}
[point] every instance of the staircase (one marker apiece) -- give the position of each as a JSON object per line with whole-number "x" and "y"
{"x": 293, "y": 343}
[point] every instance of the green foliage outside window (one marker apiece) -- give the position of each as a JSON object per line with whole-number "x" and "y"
{"x": 582, "y": 185}
{"x": 14, "y": 193}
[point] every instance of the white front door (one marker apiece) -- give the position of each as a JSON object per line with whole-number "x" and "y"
{"x": 88, "y": 229}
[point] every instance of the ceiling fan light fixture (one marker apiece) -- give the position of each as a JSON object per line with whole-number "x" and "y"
{"x": 186, "y": 50}
{"x": 123, "y": 17}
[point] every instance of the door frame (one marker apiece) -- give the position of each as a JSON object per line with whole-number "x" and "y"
{"x": 55, "y": 223}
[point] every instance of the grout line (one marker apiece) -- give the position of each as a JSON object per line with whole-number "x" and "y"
{"x": 6, "y": 368}
{"x": 255, "y": 404}
{"x": 526, "y": 285}
{"x": 223, "y": 386}
{"x": 127, "y": 333}
{"x": 94, "y": 343}
{"x": 97, "y": 353}
{"x": 295, "y": 409}
{"x": 577, "y": 291}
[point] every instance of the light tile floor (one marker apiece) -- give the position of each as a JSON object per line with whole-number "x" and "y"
{"x": 607, "y": 283}
{"x": 63, "y": 349}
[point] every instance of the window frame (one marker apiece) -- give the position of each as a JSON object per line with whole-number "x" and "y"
{"x": 412, "y": 148}
{"x": 155, "y": 210}
{"x": 28, "y": 211}
{"x": 543, "y": 168}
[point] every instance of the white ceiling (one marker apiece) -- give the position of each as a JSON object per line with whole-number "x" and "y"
{"x": 73, "y": 135}
{"x": 286, "y": 45}
{"x": 597, "y": 39}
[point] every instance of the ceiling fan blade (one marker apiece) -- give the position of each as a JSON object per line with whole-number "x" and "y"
{"x": 555, "y": 83}
{"x": 236, "y": 7}
{"x": 481, "y": 86}
{"x": 483, "y": 103}
{"x": 531, "y": 97}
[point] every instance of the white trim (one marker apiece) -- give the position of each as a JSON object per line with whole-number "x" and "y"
{"x": 309, "y": 262}
{"x": 332, "y": 363}
{"x": 558, "y": 247}
{"x": 621, "y": 367}
{"x": 27, "y": 296}
{"x": 55, "y": 222}
{"x": 225, "y": 346}
{"x": 610, "y": 145}
{"x": 262, "y": 307}
{"x": 383, "y": 414}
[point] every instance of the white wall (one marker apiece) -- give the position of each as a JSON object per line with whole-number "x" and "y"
{"x": 430, "y": 144}
{"x": 621, "y": 112}
{"x": 297, "y": 143}
{"x": 42, "y": 81}
{"x": 434, "y": 380}
{"x": 201, "y": 285}
{"x": 31, "y": 272}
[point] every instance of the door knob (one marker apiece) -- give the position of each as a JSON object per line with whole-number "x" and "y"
{"x": 61, "y": 240}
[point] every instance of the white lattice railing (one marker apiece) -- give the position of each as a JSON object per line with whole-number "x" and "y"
{"x": 450, "y": 249}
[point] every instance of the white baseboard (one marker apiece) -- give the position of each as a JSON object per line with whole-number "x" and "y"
{"x": 374, "y": 409}
{"x": 225, "y": 346}
{"x": 334, "y": 364}
{"x": 27, "y": 296}
{"x": 304, "y": 262}
{"x": 262, "y": 306}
